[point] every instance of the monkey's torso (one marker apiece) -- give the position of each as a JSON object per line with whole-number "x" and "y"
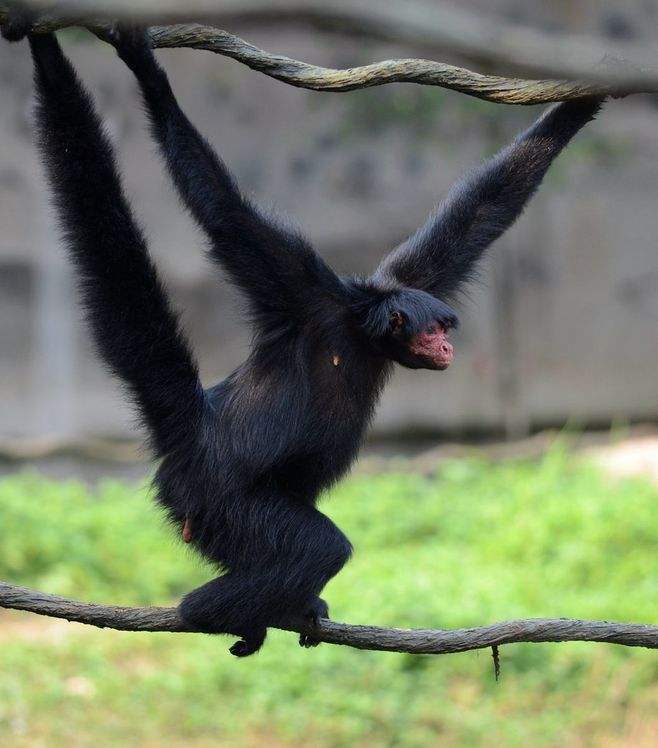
{"x": 288, "y": 422}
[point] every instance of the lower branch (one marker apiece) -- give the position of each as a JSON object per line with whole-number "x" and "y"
{"x": 413, "y": 641}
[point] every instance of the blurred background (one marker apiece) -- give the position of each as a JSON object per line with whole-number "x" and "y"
{"x": 464, "y": 510}
{"x": 562, "y": 324}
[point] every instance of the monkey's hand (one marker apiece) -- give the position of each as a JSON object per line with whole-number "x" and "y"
{"x": 18, "y": 24}
{"x": 131, "y": 43}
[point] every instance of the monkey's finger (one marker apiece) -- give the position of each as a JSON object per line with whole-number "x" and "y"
{"x": 18, "y": 24}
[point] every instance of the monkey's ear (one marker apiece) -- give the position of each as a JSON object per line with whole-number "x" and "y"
{"x": 443, "y": 253}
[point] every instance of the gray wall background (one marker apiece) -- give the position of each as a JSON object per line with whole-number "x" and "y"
{"x": 562, "y": 325}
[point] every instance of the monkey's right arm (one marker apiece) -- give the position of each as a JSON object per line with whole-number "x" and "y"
{"x": 134, "y": 327}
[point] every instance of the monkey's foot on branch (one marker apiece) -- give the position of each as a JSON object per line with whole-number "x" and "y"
{"x": 413, "y": 641}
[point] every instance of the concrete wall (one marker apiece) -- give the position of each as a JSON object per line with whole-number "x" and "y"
{"x": 563, "y": 324}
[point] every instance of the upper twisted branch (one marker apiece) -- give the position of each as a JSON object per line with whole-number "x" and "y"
{"x": 426, "y": 72}
{"x": 482, "y": 36}
{"x": 414, "y": 641}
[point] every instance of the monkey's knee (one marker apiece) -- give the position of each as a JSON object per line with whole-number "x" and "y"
{"x": 336, "y": 552}
{"x": 323, "y": 560}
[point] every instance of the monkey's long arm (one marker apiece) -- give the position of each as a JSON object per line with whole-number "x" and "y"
{"x": 275, "y": 267}
{"x": 442, "y": 254}
{"x": 133, "y": 325}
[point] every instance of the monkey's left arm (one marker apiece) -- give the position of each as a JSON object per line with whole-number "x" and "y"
{"x": 275, "y": 267}
{"x": 479, "y": 208}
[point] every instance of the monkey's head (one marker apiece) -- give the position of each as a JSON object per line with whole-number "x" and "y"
{"x": 411, "y": 327}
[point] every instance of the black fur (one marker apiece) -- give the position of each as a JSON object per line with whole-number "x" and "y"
{"x": 443, "y": 253}
{"x": 18, "y": 24}
{"x": 243, "y": 462}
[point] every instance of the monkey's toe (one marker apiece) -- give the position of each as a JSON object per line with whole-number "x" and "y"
{"x": 243, "y": 648}
{"x": 317, "y": 610}
{"x": 240, "y": 649}
{"x": 249, "y": 644}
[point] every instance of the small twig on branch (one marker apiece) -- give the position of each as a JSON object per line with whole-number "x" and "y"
{"x": 495, "y": 656}
{"x": 622, "y": 80}
{"x": 413, "y": 641}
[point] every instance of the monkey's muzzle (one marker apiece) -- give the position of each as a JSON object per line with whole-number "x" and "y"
{"x": 433, "y": 346}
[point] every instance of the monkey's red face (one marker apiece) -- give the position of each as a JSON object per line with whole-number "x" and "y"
{"x": 427, "y": 349}
{"x": 409, "y": 326}
{"x": 433, "y": 347}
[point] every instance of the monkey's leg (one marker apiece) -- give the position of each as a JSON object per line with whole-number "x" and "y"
{"x": 313, "y": 550}
{"x": 292, "y": 552}
{"x": 226, "y": 605}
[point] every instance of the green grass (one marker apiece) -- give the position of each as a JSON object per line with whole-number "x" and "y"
{"x": 477, "y": 543}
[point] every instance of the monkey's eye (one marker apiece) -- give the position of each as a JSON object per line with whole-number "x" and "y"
{"x": 396, "y": 320}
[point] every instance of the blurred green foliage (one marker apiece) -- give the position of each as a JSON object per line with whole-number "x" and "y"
{"x": 478, "y": 542}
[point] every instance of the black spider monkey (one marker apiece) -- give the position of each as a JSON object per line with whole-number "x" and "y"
{"x": 243, "y": 462}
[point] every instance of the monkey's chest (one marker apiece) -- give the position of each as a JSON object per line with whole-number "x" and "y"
{"x": 340, "y": 417}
